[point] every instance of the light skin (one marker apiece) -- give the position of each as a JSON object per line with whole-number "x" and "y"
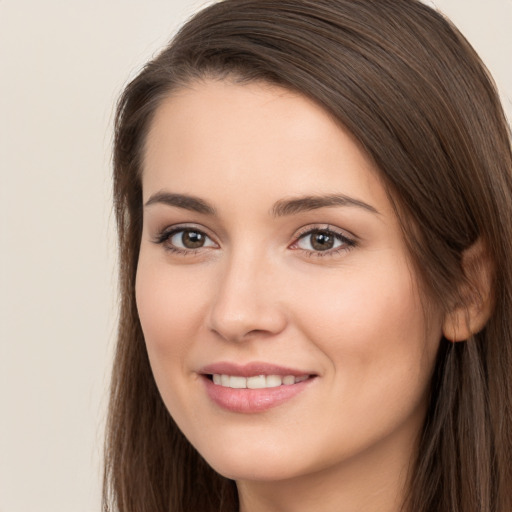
{"x": 293, "y": 257}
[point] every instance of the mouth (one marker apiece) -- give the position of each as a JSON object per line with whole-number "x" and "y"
{"x": 255, "y": 387}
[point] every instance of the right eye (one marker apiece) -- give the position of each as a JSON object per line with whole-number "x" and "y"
{"x": 183, "y": 240}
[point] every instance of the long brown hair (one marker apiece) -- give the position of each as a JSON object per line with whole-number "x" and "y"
{"x": 414, "y": 93}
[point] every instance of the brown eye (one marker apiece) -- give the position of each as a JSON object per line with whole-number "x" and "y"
{"x": 189, "y": 239}
{"x": 322, "y": 240}
{"x": 192, "y": 239}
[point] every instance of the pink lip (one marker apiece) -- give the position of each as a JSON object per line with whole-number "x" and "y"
{"x": 249, "y": 401}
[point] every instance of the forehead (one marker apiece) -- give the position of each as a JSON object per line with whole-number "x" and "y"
{"x": 248, "y": 137}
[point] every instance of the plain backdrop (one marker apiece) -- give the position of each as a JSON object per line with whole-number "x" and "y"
{"x": 62, "y": 66}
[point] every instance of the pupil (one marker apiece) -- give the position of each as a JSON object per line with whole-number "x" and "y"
{"x": 322, "y": 241}
{"x": 192, "y": 239}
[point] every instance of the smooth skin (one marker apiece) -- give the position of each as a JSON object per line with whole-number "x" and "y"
{"x": 328, "y": 290}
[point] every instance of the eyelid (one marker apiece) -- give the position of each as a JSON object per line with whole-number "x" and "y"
{"x": 324, "y": 227}
{"x": 173, "y": 228}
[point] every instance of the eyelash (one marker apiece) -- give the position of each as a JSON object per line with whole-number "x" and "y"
{"x": 164, "y": 237}
{"x": 346, "y": 243}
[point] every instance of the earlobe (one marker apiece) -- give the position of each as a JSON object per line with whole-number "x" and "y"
{"x": 470, "y": 315}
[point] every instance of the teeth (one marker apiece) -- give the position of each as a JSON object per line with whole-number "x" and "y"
{"x": 237, "y": 382}
{"x": 273, "y": 381}
{"x": 256, "y": 382}
{"x": 289, "y": 379}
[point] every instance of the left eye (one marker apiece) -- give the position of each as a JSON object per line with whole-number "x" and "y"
{"x": 190, "y": 239}
{"x": 321, "y": 240}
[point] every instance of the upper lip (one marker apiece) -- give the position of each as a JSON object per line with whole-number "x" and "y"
{"x": 250, "y": 369}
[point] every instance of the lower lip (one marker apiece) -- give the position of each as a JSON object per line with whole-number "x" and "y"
{"x": 250, "y": 401}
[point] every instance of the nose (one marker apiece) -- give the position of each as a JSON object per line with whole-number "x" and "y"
{"x": 246, "y": 302}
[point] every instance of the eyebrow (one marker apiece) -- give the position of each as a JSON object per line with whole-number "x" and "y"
{"x": 281, "y": 208}
{"x": 181, "y": 201}
{"x": 286, "y": 207}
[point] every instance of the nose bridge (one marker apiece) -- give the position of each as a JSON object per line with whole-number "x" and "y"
{"x": 246, "y": 302}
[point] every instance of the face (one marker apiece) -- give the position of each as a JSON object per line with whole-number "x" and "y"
{"x": 281, "y": 314}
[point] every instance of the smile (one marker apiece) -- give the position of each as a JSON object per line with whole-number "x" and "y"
{"x": 255, "y": 387}
{"x": 256, "y": 382}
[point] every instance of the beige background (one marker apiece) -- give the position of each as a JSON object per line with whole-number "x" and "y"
{"x": 63, "y": 63}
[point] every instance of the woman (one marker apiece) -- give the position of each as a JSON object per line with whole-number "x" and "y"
{"x": 314, "y": 203}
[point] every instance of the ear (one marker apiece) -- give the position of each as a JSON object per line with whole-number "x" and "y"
{"x": 470, "y": 316}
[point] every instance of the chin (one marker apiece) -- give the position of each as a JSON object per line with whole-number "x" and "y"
{"x": 241, "y": 461}
{"x": 254, "y": 470}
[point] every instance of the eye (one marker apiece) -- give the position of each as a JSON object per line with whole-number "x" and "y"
{"x": 183, "y": 240}
{"x": 190, "y": 239}
{"x": 323, "y": 240}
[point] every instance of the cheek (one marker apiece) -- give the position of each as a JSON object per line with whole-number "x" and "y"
{"x": 169, "y": 308}
{"x": 371, "y": 323}
{"x": 380, "y": 353}
{"x": 170, "y": 319}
